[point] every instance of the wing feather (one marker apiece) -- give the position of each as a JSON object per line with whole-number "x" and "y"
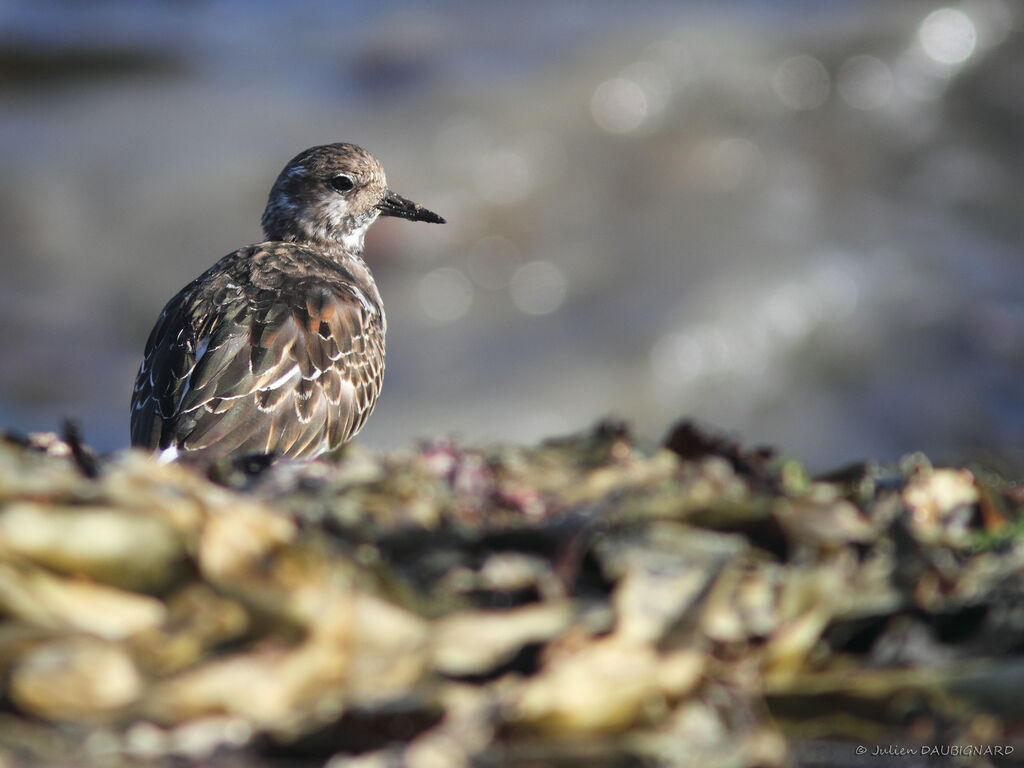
{"x": 294, "y": 371}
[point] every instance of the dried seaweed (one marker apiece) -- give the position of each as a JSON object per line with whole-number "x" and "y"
{"x": 590, "y": 601}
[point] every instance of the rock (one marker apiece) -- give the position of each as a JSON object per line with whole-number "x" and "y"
{"x": 603, "y": 687}
{"x": 75, "y": 679}
{"x": 43, "y": 600}
{"x": 114, "y": 546}
{"x": 475, "y": 642}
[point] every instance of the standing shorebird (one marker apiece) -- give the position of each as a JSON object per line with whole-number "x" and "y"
{"x": 278, "y": 348}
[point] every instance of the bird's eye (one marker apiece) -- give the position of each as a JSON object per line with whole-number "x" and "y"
{"x": 342, "y": 183}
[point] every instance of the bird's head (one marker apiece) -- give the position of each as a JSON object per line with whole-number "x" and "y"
{"x": 331, "y": 194}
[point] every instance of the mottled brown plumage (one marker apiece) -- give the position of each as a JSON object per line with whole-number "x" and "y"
{"x": 279, "y": 347}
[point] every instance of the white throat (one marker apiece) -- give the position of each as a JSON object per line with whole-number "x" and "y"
{"x": 353, "y": 240}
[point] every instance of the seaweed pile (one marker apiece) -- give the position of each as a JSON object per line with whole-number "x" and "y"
{"x": 590, "y": 601}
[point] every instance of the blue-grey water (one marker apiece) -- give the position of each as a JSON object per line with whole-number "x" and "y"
{"x": 800, "y": 222}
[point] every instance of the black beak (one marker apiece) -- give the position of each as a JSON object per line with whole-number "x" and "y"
{"x": 396, "y": 205}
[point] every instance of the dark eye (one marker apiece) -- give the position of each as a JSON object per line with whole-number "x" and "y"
{"x": 342, "y": 183}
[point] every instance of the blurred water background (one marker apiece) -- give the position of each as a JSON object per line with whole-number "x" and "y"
{"x": 798, "y": 221}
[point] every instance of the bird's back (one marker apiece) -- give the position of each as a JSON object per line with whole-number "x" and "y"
{"x": 275, "y": 349}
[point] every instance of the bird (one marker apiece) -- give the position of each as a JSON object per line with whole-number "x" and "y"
{"x": 278, "y": 348}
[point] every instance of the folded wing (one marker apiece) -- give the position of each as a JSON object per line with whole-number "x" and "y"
{"x": 295, "y": 375}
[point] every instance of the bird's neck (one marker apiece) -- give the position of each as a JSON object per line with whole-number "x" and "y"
{"x": 344, "y": 250}
{"x": 321, "y": 230}
{"x": 351, "y": 239}
{"x": 337, "y": 244}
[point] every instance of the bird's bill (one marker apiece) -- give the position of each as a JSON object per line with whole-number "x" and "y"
{"x": 396, "y": 205}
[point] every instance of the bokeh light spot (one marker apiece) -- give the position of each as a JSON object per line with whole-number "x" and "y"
{"x": 538, "y": 288}
{"x": 802, "y": 83}
{"x": 445, "y": 295}
{"x": 677, "y": 358}
{"x": 619, "y": 105}
{"x": 948, "y": 36}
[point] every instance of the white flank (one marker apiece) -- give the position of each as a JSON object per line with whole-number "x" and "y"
{"x": 167, "y": 455}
